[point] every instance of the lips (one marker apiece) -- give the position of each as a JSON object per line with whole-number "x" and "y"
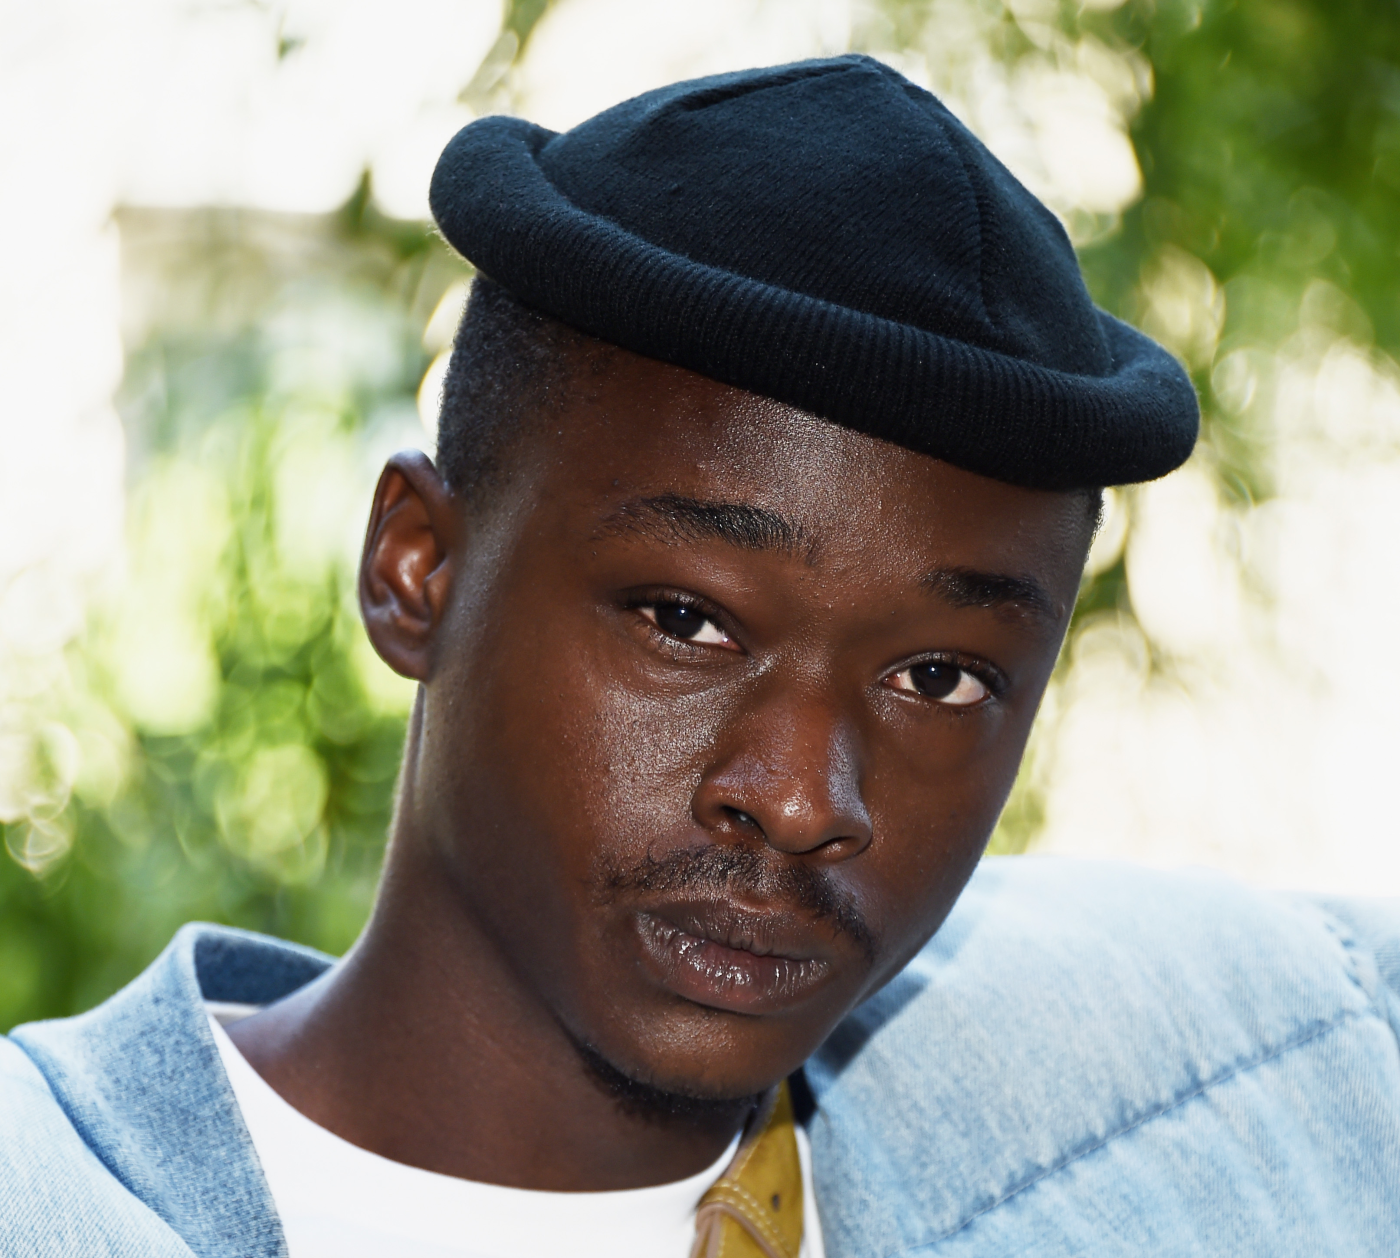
{"x": 728, "y": 956}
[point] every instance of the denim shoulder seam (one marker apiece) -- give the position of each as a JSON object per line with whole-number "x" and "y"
{"x": 1300, "y": 1039}
{"x": 1385, "y": 1001}
{"x": 1346, "y": 940}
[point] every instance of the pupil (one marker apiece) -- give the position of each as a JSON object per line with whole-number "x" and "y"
{"x": 678, "y": 621}
{"x": 937, "y": 680}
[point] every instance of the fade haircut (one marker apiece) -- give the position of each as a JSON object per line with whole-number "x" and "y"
{"x": 511, "y": 368}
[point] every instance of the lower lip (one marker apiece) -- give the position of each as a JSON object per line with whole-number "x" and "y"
{"x": 721, "y": 977}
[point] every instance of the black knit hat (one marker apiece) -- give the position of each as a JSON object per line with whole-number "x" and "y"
{"x": 826, "y": 234}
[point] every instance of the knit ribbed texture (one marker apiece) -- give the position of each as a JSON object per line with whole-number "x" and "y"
{"x": 826, "y": 234}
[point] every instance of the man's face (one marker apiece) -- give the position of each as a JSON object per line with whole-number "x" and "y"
{"x": 722, "y": 710}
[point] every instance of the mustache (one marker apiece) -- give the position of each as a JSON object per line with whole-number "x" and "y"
{"x": 742, "y": 869}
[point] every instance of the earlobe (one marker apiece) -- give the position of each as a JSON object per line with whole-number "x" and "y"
{"x": 405, "y": 570}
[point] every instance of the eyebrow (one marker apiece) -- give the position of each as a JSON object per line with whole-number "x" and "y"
{"x": 967, "y": 587}
{"x": 673, "y": 518}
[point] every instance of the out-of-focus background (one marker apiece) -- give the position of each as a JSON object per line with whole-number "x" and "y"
{"x": 221, "y": 308}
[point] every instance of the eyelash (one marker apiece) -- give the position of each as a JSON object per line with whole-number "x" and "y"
{"x": 989, "y": 676}
{"x": 680, "y": 647}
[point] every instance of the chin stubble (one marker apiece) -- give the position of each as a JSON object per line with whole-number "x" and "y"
{"x": 638, "y": 1098}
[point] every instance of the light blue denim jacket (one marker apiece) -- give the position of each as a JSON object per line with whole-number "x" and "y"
{"x": 1087, "y": 1059}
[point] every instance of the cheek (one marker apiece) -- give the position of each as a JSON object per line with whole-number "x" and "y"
{"x": 568, "y": 752}
{"x": 933, "y": 813}
{"x": 637, "y": 754}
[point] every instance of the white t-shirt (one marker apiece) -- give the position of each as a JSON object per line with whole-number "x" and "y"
{"x": 337, "y": 1200}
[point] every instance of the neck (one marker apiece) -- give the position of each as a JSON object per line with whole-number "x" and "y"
{"x": 423, "y": 1046}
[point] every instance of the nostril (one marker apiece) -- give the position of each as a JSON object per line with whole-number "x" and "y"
{"x": 741, "y": 818}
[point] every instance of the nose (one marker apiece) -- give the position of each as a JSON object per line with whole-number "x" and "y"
{"x": 789, "y": 769}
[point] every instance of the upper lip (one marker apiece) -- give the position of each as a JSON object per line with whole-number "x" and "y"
{"x": 765, "y": 932}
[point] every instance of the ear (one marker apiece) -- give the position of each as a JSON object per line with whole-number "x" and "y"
{"x": 406, "y": 568}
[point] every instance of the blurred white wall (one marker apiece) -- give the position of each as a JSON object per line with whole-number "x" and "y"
{"x": 1257, "y": 733}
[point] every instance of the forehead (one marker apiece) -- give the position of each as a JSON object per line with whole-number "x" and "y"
{"x": 640, "y": 429}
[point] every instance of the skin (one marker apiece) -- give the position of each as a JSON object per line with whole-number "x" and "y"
{"x": 692, "y": 851}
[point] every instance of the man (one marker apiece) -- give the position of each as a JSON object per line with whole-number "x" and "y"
{"x": 769, "y": 461}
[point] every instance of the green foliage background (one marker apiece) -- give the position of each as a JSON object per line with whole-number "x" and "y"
{"x": 1270, "y": 150}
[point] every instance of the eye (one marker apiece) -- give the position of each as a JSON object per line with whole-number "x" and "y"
{"x": 938, "y": 679}
{"x": 686, "y": 624}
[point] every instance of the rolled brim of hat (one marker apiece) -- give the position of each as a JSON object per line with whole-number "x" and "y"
{"x": 928, "y": 300}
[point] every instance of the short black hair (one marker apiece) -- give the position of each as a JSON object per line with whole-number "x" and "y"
{"x": 511, "y": 367}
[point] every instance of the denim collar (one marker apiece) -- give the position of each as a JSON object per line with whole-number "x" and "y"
{"x": 140, "y": 1079}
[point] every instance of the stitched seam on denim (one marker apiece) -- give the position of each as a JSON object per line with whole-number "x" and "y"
{"x": 1232, "y": 1072}
{"x": 1387, "y": 1002}
{"x": 1345, "y": 938}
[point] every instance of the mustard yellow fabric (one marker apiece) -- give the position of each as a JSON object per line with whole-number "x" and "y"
{"x": 754, "y": 1210}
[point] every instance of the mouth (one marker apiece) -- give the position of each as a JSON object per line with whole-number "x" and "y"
{"x": 728, "y": 956}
